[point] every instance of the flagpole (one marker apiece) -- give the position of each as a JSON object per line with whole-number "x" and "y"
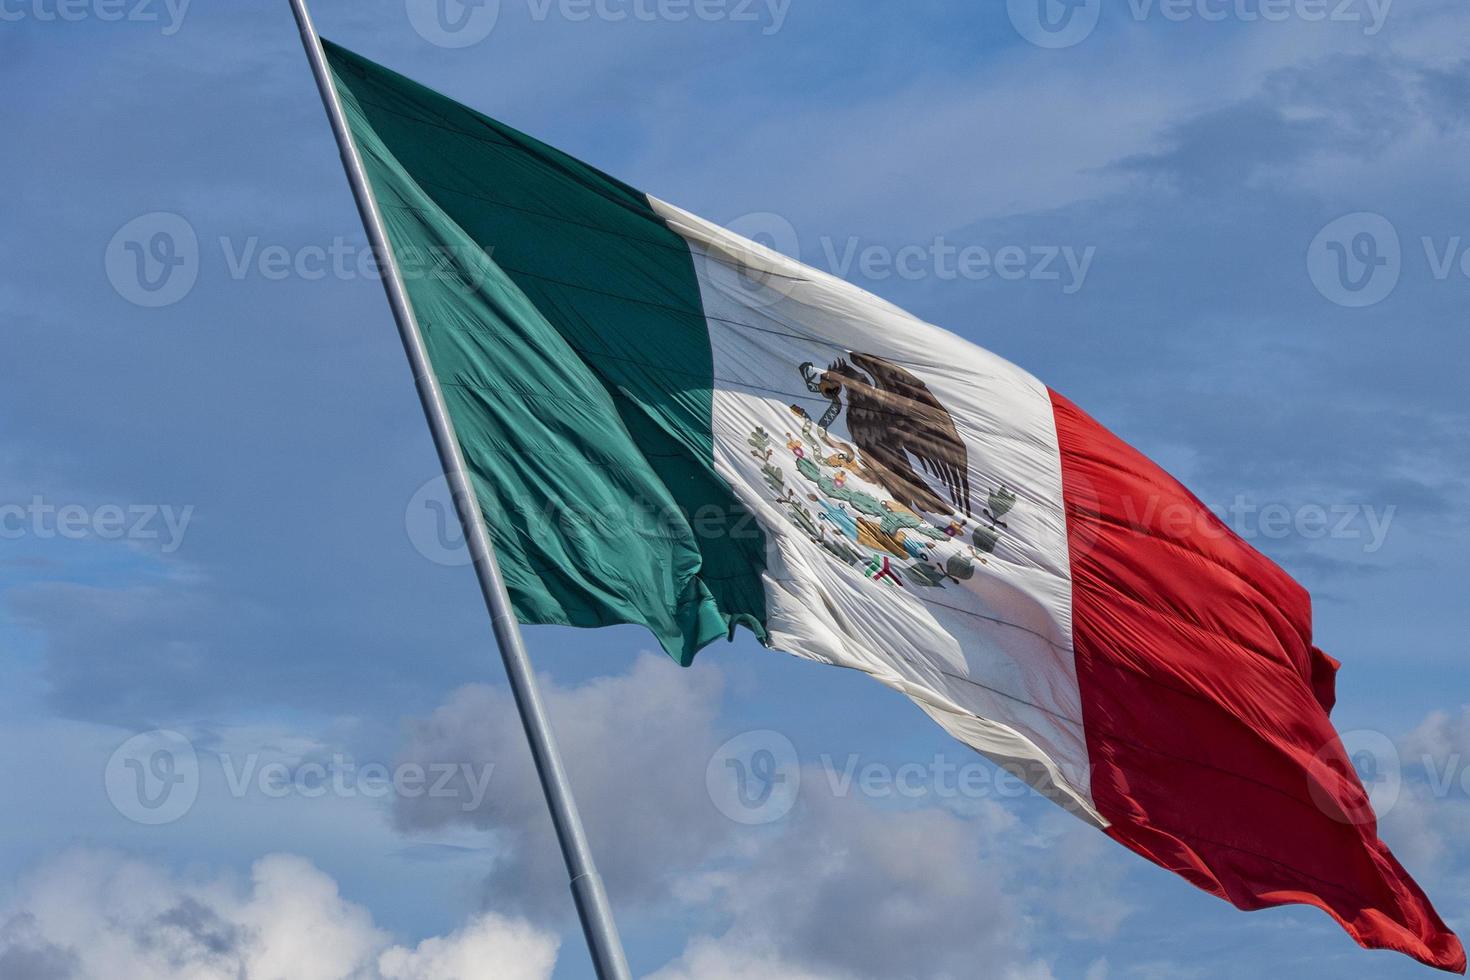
{"x": 587, "y": 889}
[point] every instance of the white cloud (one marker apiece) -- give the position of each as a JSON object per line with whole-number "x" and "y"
{"x": 1429, "y": 824}
{"x": 852, "y": 890}
{"x": 636, "y": 746}
{"x": 731, "y": 958}
{"x": 1441, "y": 735}
{"x": 91, "y": 915}
{"x": 707, "y": 958}
{"x": 842, "y": 888}
{"x": 506, "y": 949}
{"x": 1007, "y": 134}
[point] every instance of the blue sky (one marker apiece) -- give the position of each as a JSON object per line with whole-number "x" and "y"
{"x": 244, "y": 557}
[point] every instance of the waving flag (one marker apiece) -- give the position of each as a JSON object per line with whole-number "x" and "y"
{"x": 673, "y": 426}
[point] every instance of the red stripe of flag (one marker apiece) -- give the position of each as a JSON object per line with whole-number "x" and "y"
{"x": 1206, "y": 707}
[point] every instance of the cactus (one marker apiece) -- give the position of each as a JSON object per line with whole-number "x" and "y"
{"x": 926, "y": 575}
{"x": 760, "y": 441}
{"x": 839, "y": 547}
{"x": 803, "y": 519}
{"x": 1001, "y": 501}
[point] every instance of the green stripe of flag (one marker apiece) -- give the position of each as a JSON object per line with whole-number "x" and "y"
{"x": 564, "y": 321}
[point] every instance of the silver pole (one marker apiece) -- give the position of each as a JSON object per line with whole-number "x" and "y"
{"x": 587, "y": 889}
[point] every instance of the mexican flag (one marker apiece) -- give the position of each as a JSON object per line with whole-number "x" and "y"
{"x": 670, "y": 425}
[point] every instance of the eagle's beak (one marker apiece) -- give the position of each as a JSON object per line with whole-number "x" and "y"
{"x": 813, "y": 377}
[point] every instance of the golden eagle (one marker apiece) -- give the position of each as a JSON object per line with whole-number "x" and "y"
{"x": 891, "y": 416}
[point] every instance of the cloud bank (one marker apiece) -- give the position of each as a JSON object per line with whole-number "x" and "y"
{"x": 95, "y": 915}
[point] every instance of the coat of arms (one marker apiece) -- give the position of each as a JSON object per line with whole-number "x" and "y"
{"x": 864, "y": 498}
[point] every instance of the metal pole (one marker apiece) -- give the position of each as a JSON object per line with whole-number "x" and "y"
{"x": 587, "y": 889}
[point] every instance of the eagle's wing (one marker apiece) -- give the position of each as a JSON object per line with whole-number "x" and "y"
{"x": 925, "y": 426}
